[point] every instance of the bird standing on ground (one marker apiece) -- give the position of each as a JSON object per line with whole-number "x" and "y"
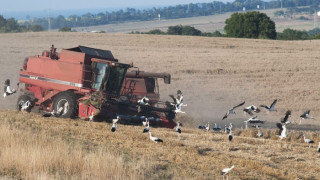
{"x": 259, "y": 134}
{"x": 230, "y": 136}
{"x": 178, "y": 128}
{"x": 271, "y": 107}
{"x": 216, "y": 127}
{"x": 309, "y": 141}
{"x": 146, "y": 129}
{"x": 319, "y": 148}
{"x": 251, "y": 109}
{"x": 114, "y": 124}
{"x": 155, "y": 139}
{"x": 53, "y": 113}
{"x": 91, "y": 117}
{"x": 231, "y": 111}
{"x": 208, "y": 126}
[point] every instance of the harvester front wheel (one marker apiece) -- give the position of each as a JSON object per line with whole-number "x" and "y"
{"x": 23, "y": 99}
{"x": 65, "y": 104}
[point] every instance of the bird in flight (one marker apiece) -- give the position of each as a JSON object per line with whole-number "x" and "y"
{"x": 305, "y": 115}
{"x": 251, "y": 109}
{"x": 178, "y": 102}
{"x": 271, "y": 107}
{"x": 231, "y": 111}
{"x": 285, "y": 120}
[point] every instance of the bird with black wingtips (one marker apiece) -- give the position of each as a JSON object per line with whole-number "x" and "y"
{"x": 285, "y": 120}
{"x": 259, "y": 134}
{"x": 53, "y": 113}
{"x": 114, "y": 124}
{"x": 309, "y": 141}
{"x": 251, "y": 109}
{"x": 271, "y": 107}
{"x": 255, "y": 120}
{"x": 305, "y": 115}
{"x": 216, "y": 127}
{"x": 154, "y": 139}
{"x": 7, "y": 89}
{"x": 178, "y": 128}
{"x": 231, "y": 111}
{"x": 319, "y": 148}
{"x": 146, "y": 129}
{"x": 208, "y": 126}
{"x": 178, "y": 102}
{"x": 24, "y": 107}
{"x": 230, "y": 137}
{"x": 283, "y": 131}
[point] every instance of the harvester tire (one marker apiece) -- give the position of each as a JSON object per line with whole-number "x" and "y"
{"x": 21, "y": 100}
{"x": 67, "y": 100}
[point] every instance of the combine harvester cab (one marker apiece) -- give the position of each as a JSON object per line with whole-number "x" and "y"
{"x": 65, "y": 83}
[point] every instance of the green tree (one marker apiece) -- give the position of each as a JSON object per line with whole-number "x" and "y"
{"x": 65, "y": 29}
{"x": 291, "y": 34}
{"x": 250, "y": 25}
{"x": 175, "y": 30}
{"x": 190, "y": 31}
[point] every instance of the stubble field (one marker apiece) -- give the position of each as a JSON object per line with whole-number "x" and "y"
{"x": 213, "y": 73}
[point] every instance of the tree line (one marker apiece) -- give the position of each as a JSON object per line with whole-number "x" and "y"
{"x": 11, "y": 25}
{"x": 170, "y": 12}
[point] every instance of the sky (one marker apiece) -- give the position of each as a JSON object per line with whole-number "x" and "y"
{"x": 38, "y": 5}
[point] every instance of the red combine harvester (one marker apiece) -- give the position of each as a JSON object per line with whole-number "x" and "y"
{"x": 85, "y": 82}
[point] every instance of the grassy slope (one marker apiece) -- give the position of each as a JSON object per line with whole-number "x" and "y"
{"x": 33, "y": 147}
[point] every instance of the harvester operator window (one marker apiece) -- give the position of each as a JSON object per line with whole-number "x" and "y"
{"x": 115, "y": 80}
{"x": 150, "y": 84}
{"x": 99, "y": 74}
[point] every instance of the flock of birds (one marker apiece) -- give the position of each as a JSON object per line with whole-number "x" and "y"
{"x": 177, "y": 104}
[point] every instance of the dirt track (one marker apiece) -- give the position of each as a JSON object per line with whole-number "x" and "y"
{"x": 214, "y": 73}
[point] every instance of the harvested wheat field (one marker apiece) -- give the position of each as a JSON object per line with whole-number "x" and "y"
{"x": 213, "y": 73}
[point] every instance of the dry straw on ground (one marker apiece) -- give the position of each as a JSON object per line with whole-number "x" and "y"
{"x": 33, "y": 147}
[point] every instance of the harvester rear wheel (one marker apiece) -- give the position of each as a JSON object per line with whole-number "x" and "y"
{"x": 21, "y": 100}
{"x": 65, "y": 105}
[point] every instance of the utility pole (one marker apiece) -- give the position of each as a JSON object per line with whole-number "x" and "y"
{"x": 281, "y": 4}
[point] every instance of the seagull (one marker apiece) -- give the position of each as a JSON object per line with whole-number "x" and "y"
{"x": 309, "y": 141}
{"x": 155, "y": 139}
{"x": 208, "y": 126}
{"x": 178, "y": 102}
{"x": 285, "y": 119}
{"x": 251, "y": 109}
{"x": 271, "y": 107}
{"x": 230, "y": 111}
{"x": 146, "y": 129}
{"x": 114, "y": 124}
{"x": 305, "y": 115}
{"x": 259, "y": 134}
{"x": 283, "y": 131}
{"x": 227, "y": 170}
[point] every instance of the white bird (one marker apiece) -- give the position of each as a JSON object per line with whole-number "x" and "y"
{"x": 271, "y": 107}
{"x": 24, "y": 107}
{"x": 155, "y": 139}
{"x": 227, "y": 170}
{"x": 7, "y": 89}
{"x": 144, "y": 101}
{"x": 309, "y": 141}
{"x": 230, "y": 136}
{"x": 305, "y": 115}
{"x": 114, "y": 124}
{"x": 178, "y": 128}
{"x": 178, "y": 102}
{"x": 254, "y": 120}
{"x": 231, "y": 111}
{"x": 216, "y": 127}
{"x": 91, "y": 117}
{"x": 259, "y": 134}
{"x": 144, "y": 123}
{"x": 251, "y": 109}
{"x": 208, "y": 126}
{"x": 283, "y": 131}
{"x": 319, "y": 148}
{"x": 146, "y": 129}
{"x": 53, "y": 113}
